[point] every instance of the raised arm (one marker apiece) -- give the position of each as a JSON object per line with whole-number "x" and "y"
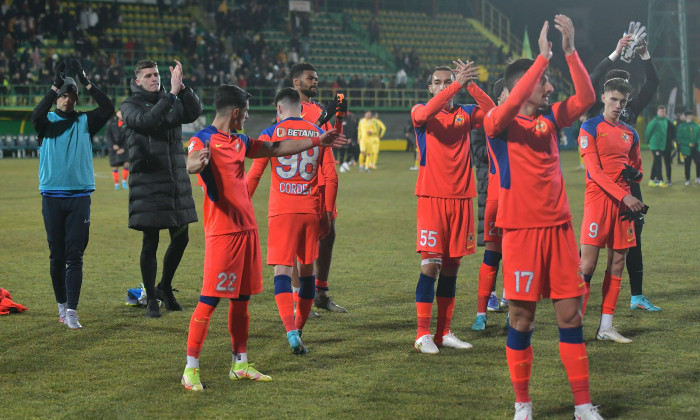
{"x": 99, "y": 116}
{"x": 498, "y": 118}
{"x": 573, "y": 107}
{"x": 485, "y": 104}
{"x": 642, "y": 99}
{"x": 331, "y": 178}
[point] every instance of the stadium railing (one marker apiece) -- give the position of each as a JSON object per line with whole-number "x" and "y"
{"x": 387, "y": 99}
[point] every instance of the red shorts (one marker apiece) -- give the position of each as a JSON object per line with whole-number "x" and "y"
{"x": 232, "y": 265}
{"x": 292, "y": 236}
{"x": 603, "y": 226}
{"x": 445, "y": 226}
{"x": 491, "y": 232}
{"x": 542, "y": 263}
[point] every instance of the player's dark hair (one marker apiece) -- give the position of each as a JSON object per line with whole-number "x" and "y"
{"x": 515, "y": 71}
{"x": 439, "y": 68}
{"x": 298, "y": 69}
{"x": 689, "y": 113}
{"x": 660, "y": 107}
{"x": 143, "y": 64}
{"x": 230, "y": 96}
{"x": 498, "y": 88}
{"x": 617, "y": 73}
{"x": 289, "y": 95}
{"x": 619, "y": 85}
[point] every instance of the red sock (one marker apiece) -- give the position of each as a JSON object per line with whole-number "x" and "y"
{"x": 115, "y": 175}
{"x": 425, "y": 312}
{"x": 585, "y": 297}
{"x": 575, "y": 361}
{"x": 487, "y": 279}
{"x": 321, "y": 285}
{"x": 199, "y": 326}
{"x": 303, "y": 309}
{"x": 445, "y": 308}
{"x": 125, "y": 174}
{"x": 520, "y": 365}
{"x": 285, "y": 306}
{"x": 238, "y": 324}
{"x": 611, "y": 292}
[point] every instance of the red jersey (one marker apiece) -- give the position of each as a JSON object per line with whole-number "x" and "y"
{"x": 442, "y": 138}
{"x": 606, "y": 148}
{"x": 294, "y": 187}
{"x": 526, "y": 150}
{"x": 228, "y": 208}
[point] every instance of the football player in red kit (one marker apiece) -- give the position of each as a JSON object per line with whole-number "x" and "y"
{"x": 540, "y": 255}
{"x": 232, "y": 264}
{"x": 610, "y": 150}
{"x": 294, "y": 212}
{"x": 445, "y": 187}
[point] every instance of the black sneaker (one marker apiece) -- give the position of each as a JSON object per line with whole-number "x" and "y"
{"x": 167, "y": 297}
{"x": 152, "y": 309}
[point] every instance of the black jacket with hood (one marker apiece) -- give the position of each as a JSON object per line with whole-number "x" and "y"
{"x": 160, "y": 190}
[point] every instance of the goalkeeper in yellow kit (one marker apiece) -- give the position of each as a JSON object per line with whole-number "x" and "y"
{"x": 370, "y": 129}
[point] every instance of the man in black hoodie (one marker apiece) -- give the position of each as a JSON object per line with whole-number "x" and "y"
{"x": 160, "y": 191}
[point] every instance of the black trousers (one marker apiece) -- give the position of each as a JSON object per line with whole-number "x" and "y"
{"x": 688, "y": 160}
{"x": 634, "y": 261}
{"x": 67, "y": 223}
{"x": 656, "y": 168}
{"x": 179, "y": 238}
{"x": 668, "y": 161}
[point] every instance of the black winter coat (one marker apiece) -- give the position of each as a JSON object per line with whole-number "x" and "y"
{"x": 160, "y": 190}
{"x": 116, "y": 136}
{"x": 480, "y": 160}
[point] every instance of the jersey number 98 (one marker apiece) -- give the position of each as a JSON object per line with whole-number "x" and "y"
{"x": 303, "y": 163}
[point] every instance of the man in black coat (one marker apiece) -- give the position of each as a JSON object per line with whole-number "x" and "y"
{"x": 160, "y": 191}
{"x": 115, "y": 134}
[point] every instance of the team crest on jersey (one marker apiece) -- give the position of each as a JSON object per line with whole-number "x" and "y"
{"x": 237, "y": 145}
{"x": 281, "y": 132}
{"x": 541, "y": 126}
{"x": 459, "y": 120}
{"x": 583, "y": 142}
{"x": 625, "y": 137}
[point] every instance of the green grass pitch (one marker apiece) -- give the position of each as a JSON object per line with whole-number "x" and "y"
{"x": 361, "y": 364}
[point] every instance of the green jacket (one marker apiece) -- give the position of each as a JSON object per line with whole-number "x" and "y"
{"x": 688, "y": 136}
{"x": 656, "y": 132}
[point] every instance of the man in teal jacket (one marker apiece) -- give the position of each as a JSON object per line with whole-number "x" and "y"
{"x": 656, "y": 133}
{"x": 66, "y": 180}
{"x": 688, "y": 136}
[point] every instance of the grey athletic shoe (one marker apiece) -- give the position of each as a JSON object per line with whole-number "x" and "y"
{"x": 326, "y": 302}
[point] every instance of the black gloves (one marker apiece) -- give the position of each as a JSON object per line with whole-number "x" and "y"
{"x": 60, "y": 75}
{"x": 633, "y": 215}
{"x": 79, "y": 72}
{"x": 630, "y": 174}
{"x": 342, "y": 107}
{"x": 328, "y": 112}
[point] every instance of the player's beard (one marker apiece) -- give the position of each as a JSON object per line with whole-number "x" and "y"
{"x": 309, "y": 92}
